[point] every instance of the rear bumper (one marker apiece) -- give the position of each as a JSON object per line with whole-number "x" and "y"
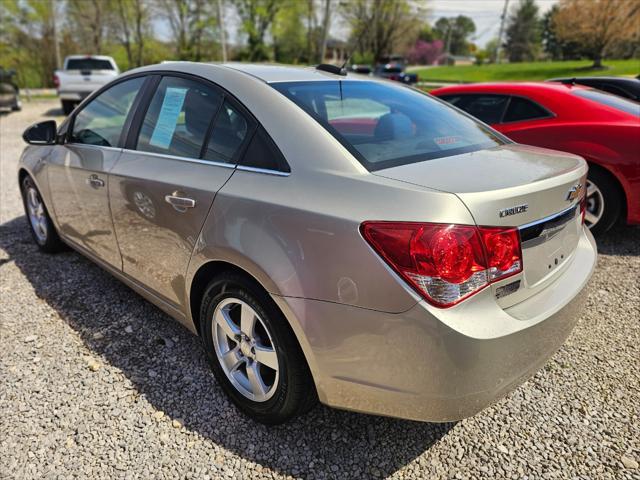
{"x": 437, "y": 365}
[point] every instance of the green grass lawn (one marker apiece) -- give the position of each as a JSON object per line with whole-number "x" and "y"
{"x": 526, "y": 71}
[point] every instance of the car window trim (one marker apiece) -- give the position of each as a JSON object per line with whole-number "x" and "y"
{"x": 178, "y": 157}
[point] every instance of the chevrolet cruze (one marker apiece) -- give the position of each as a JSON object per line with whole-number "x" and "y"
{"x": 327, "y": 236}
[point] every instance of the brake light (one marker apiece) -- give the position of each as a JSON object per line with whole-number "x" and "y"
{"x": 446, "y": 263}
{"x": 56, "y": 81}
{"x": 504, "y": 255}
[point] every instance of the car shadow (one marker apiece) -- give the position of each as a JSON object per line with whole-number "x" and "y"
{"x": 166, "y": 365}
{"x": 620, "y": 240}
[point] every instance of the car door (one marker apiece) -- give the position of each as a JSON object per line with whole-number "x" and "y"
{"x": 78, "y": 169}
{"x": 182, "y": 149}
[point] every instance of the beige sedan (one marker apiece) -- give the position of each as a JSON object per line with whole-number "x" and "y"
{"x": 328, "y": 236}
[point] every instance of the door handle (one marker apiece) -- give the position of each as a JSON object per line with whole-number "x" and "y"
{"x": 179, "y": 202}
{"x": 95, "y": 181}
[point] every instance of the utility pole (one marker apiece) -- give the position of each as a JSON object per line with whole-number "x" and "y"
{"x": 223, "y": 39}
{"x": 447, "y": 49}
{"x": 502, "y": 20}
{"x": 56, "y": 40}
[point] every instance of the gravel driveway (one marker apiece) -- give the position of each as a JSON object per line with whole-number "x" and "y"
{"x": 97, "y": 383}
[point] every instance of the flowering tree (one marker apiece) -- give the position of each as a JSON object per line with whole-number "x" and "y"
{"x": 425, "y": 53}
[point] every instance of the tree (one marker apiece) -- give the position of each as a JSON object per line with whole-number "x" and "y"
{"x": 193, "y": 24}
{"x": 27, "y": 44}
{"x": 454, "y": 32}
{"x": 553, "y": 46}
{"x": 425, "y": 53}
{"x": 91, "y": 19}
{"x": 598, "y": 25}
{"x": 133, "y": 19}
{"x": 256, "y": 17}
{"x": 288, "y": 32}
{"x": 317, "y": 28}
{"x": 523, "y": 32}
{"x": 379, "y": 26}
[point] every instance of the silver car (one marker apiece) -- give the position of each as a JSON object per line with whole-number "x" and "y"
{"x": 328, "y": 237}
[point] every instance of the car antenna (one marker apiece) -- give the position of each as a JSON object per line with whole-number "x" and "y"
{"x": 342, "y": 69}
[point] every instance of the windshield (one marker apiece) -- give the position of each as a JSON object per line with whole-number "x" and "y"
{"x": 88, "y": 64}
{"x": 609, "y": 100}
{"x": 385, "y": 126}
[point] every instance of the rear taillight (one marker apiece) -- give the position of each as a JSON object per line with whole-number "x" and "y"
{"x": 446, "y": 263}
{"x": 56, "y": 81}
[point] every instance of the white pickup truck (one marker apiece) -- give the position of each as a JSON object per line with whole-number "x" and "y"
{"x": 81, "y": 75}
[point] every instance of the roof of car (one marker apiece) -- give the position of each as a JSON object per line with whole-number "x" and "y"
{"x": 284, "y": 73}
{"x": 550, "y": 87}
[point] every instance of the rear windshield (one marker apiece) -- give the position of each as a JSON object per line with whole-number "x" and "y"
{"x": 385, "y": 125}
{"x": 88, "y": 64}
{"x": 609, "y": 100}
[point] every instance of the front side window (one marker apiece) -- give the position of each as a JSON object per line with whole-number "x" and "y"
{"x": 100, "y": 122}
{"x": 387, "y": 125}
{"x": 178, "y": 117}
{"x": 521, "y": 109}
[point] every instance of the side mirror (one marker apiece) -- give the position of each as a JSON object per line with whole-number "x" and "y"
{"x": 43, "y": 133}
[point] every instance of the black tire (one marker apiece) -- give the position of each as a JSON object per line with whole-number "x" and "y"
{"x": 16, "y": 107}
{"x": 51, "y": 243}
{"x": 67, "y": 106}
{"x": 295, "y": 392}
{"x": 611, "y": 197}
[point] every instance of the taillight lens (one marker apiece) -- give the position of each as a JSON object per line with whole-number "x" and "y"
{"x": 446, "y": 263}
{"x": 504, "y": 255}
{"x": 56, "y": 81}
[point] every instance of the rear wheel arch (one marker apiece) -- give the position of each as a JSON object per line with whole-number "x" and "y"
{"x": 615, "y": 196}
{"x": 605, "y": 171}
{"x": 201, "y": 280}
{"x": 215, "y": 268}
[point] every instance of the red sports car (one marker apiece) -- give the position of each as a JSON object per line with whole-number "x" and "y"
{"x": 602, "y": 128}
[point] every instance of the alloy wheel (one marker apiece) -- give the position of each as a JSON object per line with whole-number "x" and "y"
{"x": 245, "y": 349}
{"x": 595, "y": 205}
{"x": 37, "y": 214}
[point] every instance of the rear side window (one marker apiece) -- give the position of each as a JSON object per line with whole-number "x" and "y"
{"x": 178, "y": 117}
{"x": 488, "y": 108}
{"x": 262, "y": 153}
{"x": 609, "y": 100}
{"x": 522, "y": 109}
{"x": 100, "y": 122}
{"x": 229, "y": 132}
{"x": 88, "y": 64}
{"x": 387, "y": 125}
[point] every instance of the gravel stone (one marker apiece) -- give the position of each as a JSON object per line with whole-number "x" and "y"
{"x": 578, "y": 417}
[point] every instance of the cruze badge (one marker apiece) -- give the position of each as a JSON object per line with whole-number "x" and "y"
{"x": 574, "y": 192}
{"x": 505, "y": 212}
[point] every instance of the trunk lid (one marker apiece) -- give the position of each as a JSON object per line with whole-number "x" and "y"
{"x": 516, "y": 186}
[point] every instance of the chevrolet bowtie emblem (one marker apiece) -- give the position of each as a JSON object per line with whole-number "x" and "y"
{"x": 574, "y": 192}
